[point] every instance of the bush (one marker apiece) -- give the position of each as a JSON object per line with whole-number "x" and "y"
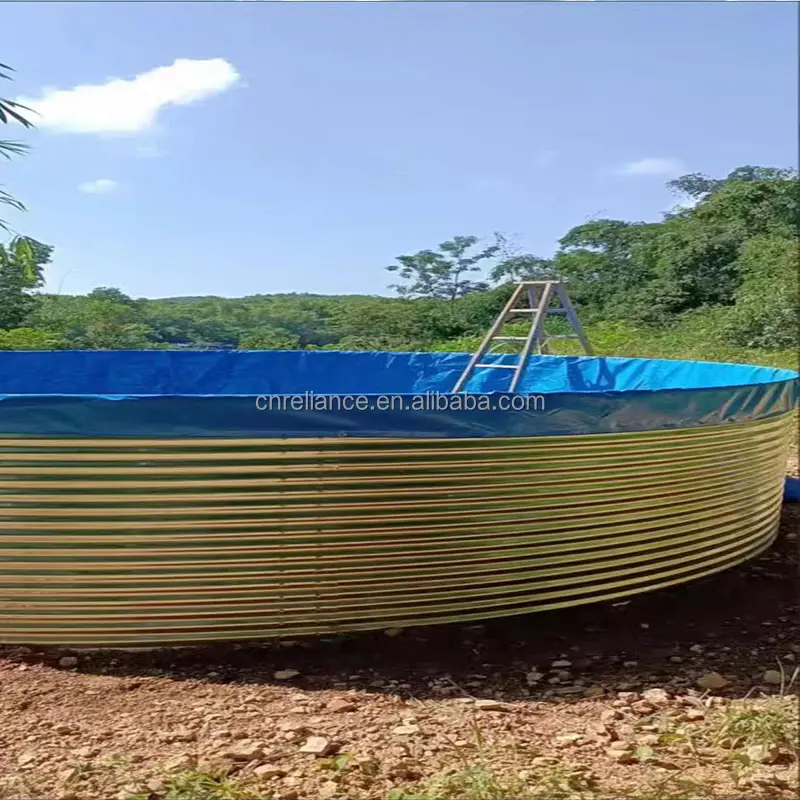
{"x": 29, "y": 339}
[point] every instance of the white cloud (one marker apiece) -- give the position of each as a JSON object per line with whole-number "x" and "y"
{"x": 653, "y": 166}
{"x": 131, "y": 105}
{"x": 98, "y": 186}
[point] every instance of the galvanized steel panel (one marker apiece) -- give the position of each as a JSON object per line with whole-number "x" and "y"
{"x": 123, "y": 542}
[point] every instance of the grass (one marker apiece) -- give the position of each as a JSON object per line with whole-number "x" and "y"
{"x": 692, "y": 341}
{"x": 477, "y": 779}
{"x": 471, "y": 782}
{"x": 771, "y": 724}
{"x": 197, "y": 785}
{"x": 480, "y": 782}
{"x": 724, "y": 739}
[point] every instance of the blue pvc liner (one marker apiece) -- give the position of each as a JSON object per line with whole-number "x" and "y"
{"x": 212, "y": 393}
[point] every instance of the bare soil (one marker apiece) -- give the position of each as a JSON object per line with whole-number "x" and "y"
{"x": 688, "y": 692}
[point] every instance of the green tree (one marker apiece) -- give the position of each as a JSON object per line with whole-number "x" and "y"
{"x": 699, "y": 186}
{"x": 652, "y": 273}
{"x": 21, "y": 271}
{"x": 514, "y": 266}
{"x": 767, "y": 308}
{"x": 269, "y": 339}
{"x": 382, "y": 324}
{"x": 105, "y": 319}
{"x": 601, "y": 260}
{"x": 112, "y": 295}
{"x": 22, "y": 258}
{"x": 524, "y": 267}
{"x": 443, "y": 273}
{"x": 693, "y": 260}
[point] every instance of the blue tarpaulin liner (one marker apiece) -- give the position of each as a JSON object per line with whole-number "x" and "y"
{"x": 213, "y": 393}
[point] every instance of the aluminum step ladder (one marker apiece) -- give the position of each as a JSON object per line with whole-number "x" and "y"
{"x": 540, "y": 295}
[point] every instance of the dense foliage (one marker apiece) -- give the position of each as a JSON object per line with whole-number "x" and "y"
{"x": 722, "y": 268}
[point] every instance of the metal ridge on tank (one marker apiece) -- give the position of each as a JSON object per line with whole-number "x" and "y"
{"x": 150, "y": 498}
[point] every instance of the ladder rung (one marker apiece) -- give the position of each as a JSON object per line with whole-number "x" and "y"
{"x": 510, "y": 339}
{"x": 563, "y": 336}
{"x": 560, "y": 311}
{"x": 497, "y": 366}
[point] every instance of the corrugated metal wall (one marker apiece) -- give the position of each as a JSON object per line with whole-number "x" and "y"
{"x": 126, "y": 542}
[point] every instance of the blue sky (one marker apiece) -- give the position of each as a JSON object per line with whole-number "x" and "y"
{"x": 274, "y": 147}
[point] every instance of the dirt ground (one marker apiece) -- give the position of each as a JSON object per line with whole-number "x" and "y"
{"x": 684, "y": 693}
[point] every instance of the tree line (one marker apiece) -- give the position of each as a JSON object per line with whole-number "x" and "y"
{"x": 725, "y": 259}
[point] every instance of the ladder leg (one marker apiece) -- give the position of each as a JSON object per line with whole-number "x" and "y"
{"x": 573, "y": 319}
{"x": 498, "y": 324}
{"x": 533, "y": 299}
{"x": 533, "y": 336}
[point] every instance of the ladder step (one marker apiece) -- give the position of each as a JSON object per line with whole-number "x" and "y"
{"x": 510, "y": 339}
{"x": 497, "y": 366}
{"x": 563, "y": 336}
{"x": 560, "y": 311}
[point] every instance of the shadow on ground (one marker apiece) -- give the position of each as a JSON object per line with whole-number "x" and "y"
{"x": 738, "y": 623}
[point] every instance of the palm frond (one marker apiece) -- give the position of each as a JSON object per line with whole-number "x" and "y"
{"x": 9, "y": 200}
{"x": 8, "y": 112}
{"x": 9, "y": 148}
{"x": 9, "y": 109}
